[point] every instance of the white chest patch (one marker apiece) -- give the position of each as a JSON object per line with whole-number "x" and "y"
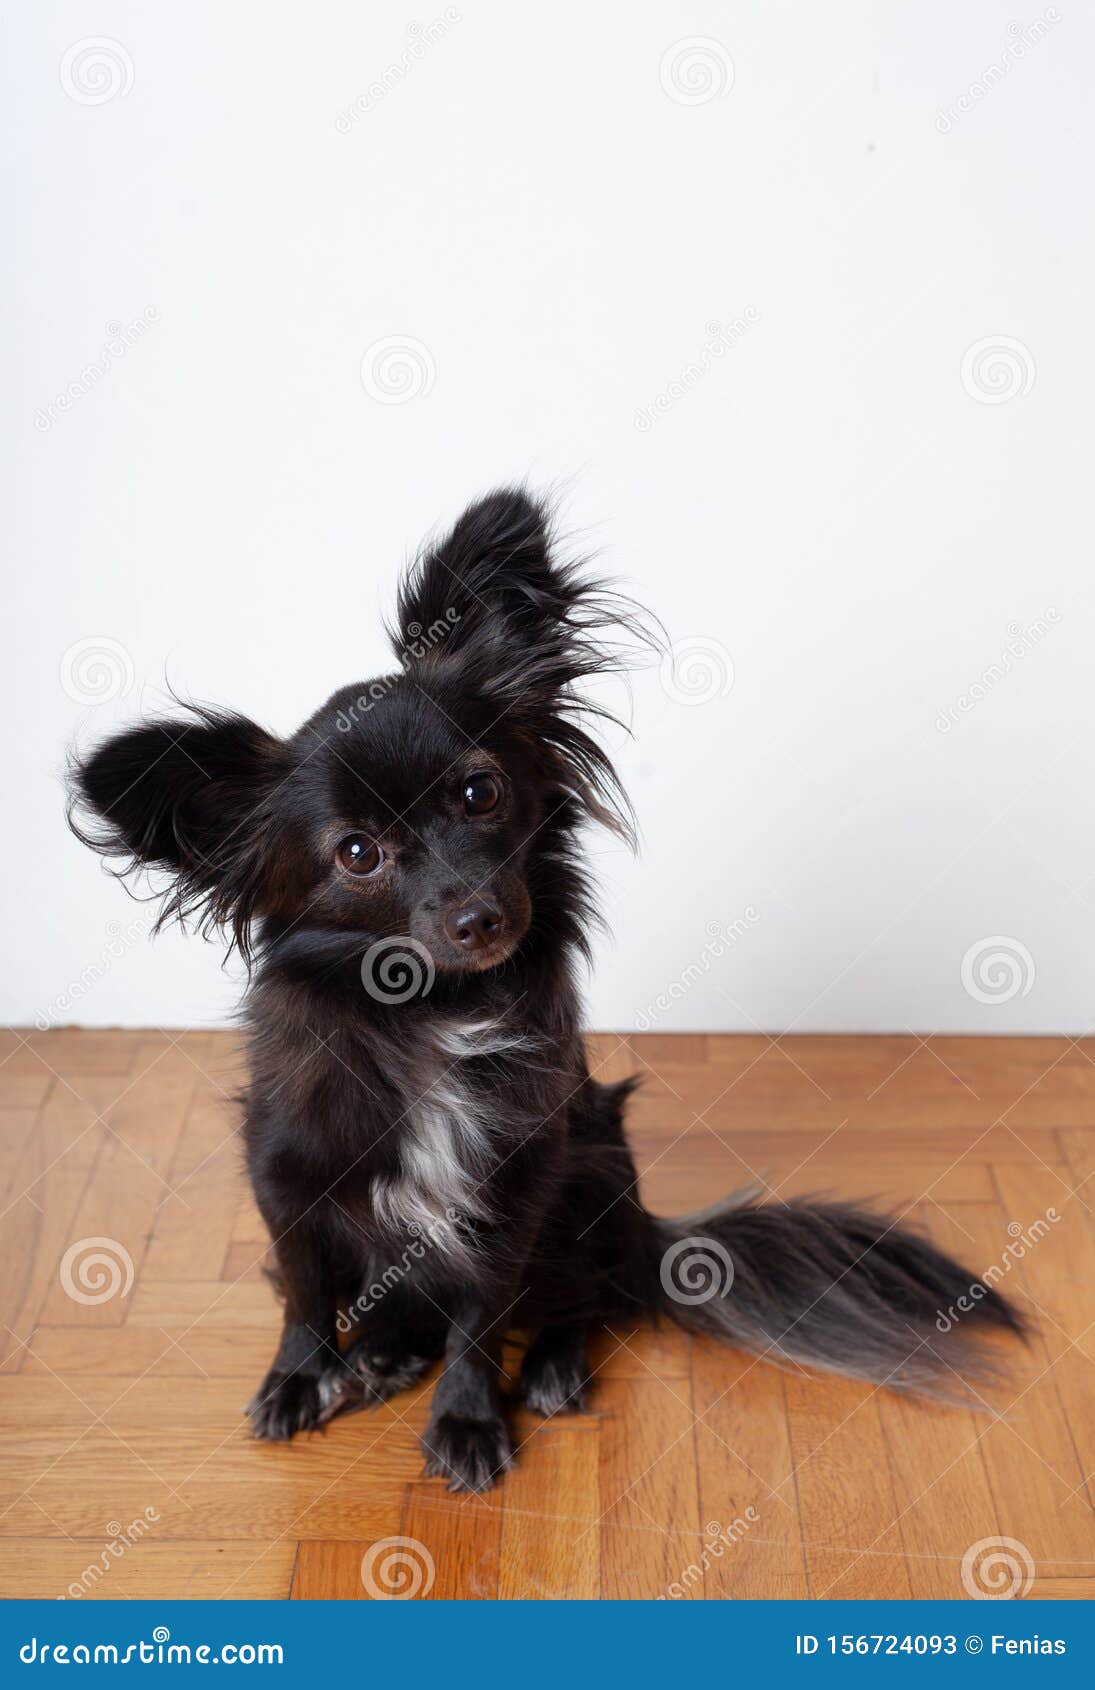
{"x": 447, "y": 1141}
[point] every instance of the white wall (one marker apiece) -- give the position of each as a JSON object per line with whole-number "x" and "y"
{"x": 850, "y": 506}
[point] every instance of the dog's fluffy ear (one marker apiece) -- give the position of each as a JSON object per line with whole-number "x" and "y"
{"x": 493, "y": 592}
{"x": 490, "y": 580}
{"x": 525, "y": 630}
{"x": 187, "y": 796}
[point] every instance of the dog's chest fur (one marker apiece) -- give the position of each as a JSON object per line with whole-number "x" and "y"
{"x": 447, "y": 1138}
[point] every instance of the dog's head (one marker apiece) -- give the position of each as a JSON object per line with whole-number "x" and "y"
{"x": 424, "y": 803}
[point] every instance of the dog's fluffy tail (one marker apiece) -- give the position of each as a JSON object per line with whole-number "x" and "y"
{"x": 829, "y": 1285}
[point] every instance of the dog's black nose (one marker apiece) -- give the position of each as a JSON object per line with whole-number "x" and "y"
{"x": 474, "y": 925}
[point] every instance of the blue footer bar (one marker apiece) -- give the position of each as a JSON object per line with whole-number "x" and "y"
{"x": 543, "y": 1643}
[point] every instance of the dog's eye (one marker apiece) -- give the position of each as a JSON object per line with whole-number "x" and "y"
{"x": 360, "y": 855}
{"x": 481, "y": 794}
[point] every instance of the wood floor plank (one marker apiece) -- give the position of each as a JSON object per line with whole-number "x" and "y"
{"x": 193, "y": 1221}
{"x": 881, "y": 1080}
{"x": 249, "y": 1226}
{"x": 693, "y": 1176}
{"x": 397, "y": 1567}
{"x": 246, "y": 1261}
{"x": 329, "y": 1572}
{"x": 1078, "y": 1145}
{"x": 552, "y": 1498}
{"x": 16, "y": 1128}
{"x": 143, "y": 1127}
{"x": 639, "y": 1350}
{"x": 26, "y": 1090}
{"x": 46, "y": 1190}
{"x": 180, "y": 1055}
{"x": 852, "y": 1543}
{"x": 942, "y": 1490}
{"x": 73, "y": 1050}
{"x": 669, "y": 1050}
{"x": 1029, "y": 1452}
{"x": 1057, "y": 1274}
{"x": 650, "y": 1528}
{"x": 85, "y": 1050}
{"x": 221, "y": 1351}
{"x": 944, "y": 1499}
{"x": 150, "y": 1570}
{"x": 198, "y": 1302}
{"x": 746, "y": 1469}
{"x": 292, "y": 1506}
{"x": 456, "y": 1539}
{"x": 660, "y": 1106}
{"x": 1062, "y": 1590}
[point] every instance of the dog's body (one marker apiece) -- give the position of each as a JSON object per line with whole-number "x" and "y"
{"x": 428, "y": 1149}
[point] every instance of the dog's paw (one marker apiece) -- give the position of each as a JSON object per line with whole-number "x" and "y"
{"x": 470, "y": 1454}
{"x": 556, "y": 1373}
{"x": 287, "y": 1403}
{"x": 383, "y": 1375}
{"x": 552, "y": 1385}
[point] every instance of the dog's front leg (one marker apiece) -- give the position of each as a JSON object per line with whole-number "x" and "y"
{"x": 307, "y": 1382}
{"x": 467, "y": 1440}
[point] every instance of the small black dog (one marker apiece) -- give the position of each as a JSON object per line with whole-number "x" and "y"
{"x": 427, "y": 1147}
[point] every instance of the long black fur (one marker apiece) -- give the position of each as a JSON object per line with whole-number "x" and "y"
{"x": 433, "y": 1160}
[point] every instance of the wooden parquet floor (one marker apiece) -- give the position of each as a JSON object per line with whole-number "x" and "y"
{"x": 125, "y": 1465}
